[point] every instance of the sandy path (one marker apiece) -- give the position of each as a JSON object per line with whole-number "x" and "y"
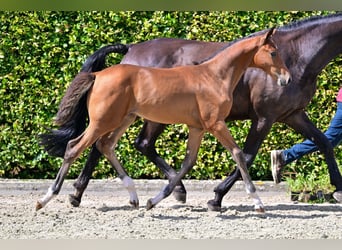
{"x": 107, "y": 215}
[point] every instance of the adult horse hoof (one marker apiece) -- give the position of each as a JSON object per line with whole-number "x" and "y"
{"x": 214, "y": 206}
{"x": 134, "y": 204}
{"x": 149, "y": 204}
{"x": 338, "y": 196}
{"x": 180, "y": 194}
{"x": 38, "y": 206}
{"x": 74, "y": 201}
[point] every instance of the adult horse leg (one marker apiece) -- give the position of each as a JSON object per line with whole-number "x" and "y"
{"x": 106, "y": 146}
{"x": 74, "y": 148}
{"x": 145, "y": 143}
{"x": 259, "y": 129}
{"x": 83, "y": 179}
{"x": 302, "y": 124}
{"x": 194, "y": 142}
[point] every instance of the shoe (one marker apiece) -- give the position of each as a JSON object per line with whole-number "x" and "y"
{"x": 277, "y": 163}
{"x": 338, "y": 196}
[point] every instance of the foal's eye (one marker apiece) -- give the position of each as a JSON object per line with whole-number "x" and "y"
{"x": 273, "y": 54}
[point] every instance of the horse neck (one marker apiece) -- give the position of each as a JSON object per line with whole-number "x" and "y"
{"x": 309, "y": 49}
{"x": 230, "y": 64}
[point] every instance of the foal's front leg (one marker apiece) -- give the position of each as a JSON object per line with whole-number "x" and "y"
{"x": 221, "y": 132}
{"x": 194, "y": 142}
{"x": 259, "y": 129}
{"x": 145, "y": 143}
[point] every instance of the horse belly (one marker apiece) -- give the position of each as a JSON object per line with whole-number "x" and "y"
{"x": 174, "y": 113}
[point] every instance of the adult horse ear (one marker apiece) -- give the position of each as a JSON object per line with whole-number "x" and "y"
{"x": 269, "y": 34}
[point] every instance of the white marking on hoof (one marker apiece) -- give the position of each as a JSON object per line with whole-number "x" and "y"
{"x": 258, "y": 206}
{"x": 42, "y": 202}
{"x": 159, "y": 197}
{"x": 129, "y": 185}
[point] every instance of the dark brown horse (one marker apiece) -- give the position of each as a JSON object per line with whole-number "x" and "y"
{"x": 306, "y": 46}
{"x": 199, "y": 96}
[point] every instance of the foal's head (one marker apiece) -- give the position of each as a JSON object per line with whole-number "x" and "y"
{"x": 268, "y": 59}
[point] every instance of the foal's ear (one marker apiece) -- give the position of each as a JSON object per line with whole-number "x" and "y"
{"x": 269, "y": 34}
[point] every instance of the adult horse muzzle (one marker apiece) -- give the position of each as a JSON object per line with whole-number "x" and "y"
{"x": 284, "y": 78}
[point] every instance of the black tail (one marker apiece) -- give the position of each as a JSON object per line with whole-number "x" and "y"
{"x": 71, "y": 117}
{"x": 55, "y": 140}
{"x": 96, "y": 61}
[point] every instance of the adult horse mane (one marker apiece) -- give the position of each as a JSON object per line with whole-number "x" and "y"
{"x": 199, "y": 96}
{"x": 306, "y": 46}
{"x": 314, "y": 20}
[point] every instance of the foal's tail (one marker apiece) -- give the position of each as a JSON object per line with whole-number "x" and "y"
{"x": 96, "y": 61}
{"x": 71, "y": 116}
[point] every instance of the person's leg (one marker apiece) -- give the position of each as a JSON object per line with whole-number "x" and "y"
{"x": 280, "y": 158}
{"x": 334, "y": 132}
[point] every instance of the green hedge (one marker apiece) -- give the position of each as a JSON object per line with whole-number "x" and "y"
{"x": 42, "y": 51}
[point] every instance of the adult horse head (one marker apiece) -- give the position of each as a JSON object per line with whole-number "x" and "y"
{"x": 199, "y": 96}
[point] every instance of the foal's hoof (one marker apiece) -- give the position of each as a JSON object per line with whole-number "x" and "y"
{"x": 149, "y": 204}
{"x": 260, "y": 210}
{"x": 38, "y": 206}
{"x": 74, "y": 201}
{"x": 214, "y": 206}
{"x": 338, "y": 196}
{"x": 179, "y": 194}
{"x": 135, "y": 204}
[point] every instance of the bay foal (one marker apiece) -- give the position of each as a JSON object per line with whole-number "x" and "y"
{"x": 199, "y": 96}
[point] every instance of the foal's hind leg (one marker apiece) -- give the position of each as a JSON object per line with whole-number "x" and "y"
{"x": 106, "y": 146}
{"x": 74, "y": 148}
{"x": 145, "y": 143}
{"x": 221, "y": 132}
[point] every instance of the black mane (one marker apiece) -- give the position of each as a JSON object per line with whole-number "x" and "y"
{"x": 293, "y": 25}
{"x": 310, "y": 21}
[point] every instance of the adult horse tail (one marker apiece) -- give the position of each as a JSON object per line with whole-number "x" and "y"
{"x": 97, "y": 61}
{"x": 71, "y": 116}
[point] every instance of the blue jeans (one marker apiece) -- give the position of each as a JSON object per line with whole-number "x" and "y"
{"x": 333, "y": 133}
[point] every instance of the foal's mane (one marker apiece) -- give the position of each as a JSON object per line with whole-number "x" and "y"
{"x": 230, "y": 44}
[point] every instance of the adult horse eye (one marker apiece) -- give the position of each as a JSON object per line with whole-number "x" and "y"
{"x": 273, "y": 54}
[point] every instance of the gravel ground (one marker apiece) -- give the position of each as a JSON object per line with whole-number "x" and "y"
{"x": 105, "y": 214}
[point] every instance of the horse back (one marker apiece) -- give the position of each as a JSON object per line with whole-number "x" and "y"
{"x": 170, "y": 52}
